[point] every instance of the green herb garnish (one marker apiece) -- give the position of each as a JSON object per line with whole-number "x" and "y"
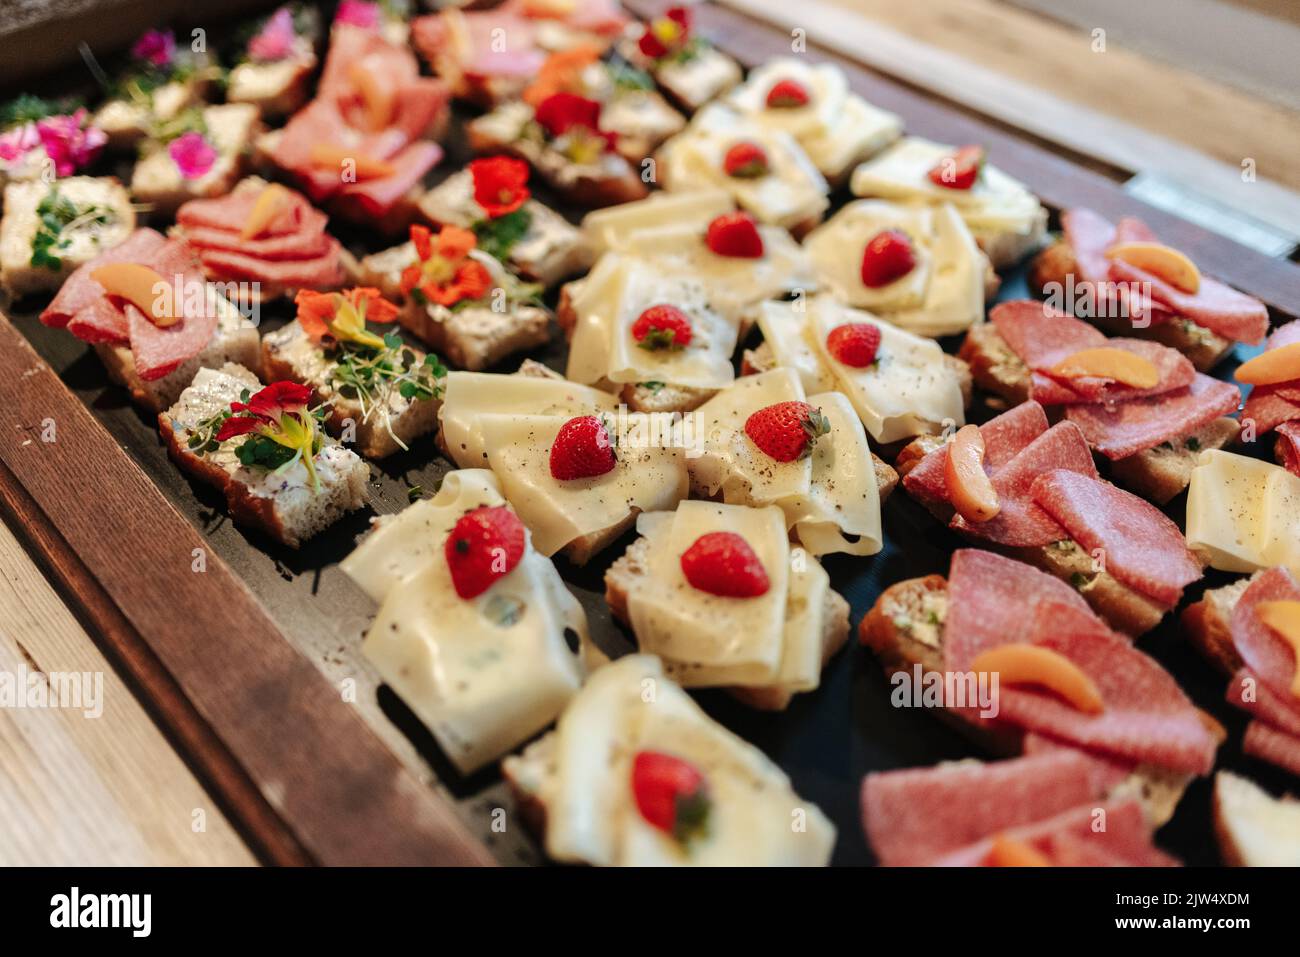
{"x": 369, "y": 376}
{"x": 497, "y": 237}
{"x": 58, "y": 217}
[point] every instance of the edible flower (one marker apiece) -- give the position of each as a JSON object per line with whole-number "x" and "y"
{"x": 667, "y": 34}
{"x": 574, "y": 122}
{"x": 275, "y": 40}
{"x": 358, "y": 13}
{"x": 192, "y": 154}
{"x": 444, "y": 273}
{"x": 561, "y": 73}
{"x": 282, "y": 429}
{"x": 155, "y": 47}
{"x": 500, "y": 184}
{"x": 69, "y": 142}
{"x": 18, "y": 142}
{"x": 342, "y": 316}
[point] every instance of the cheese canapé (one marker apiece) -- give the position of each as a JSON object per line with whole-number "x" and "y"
{"x": 486, "y": 673}
{"x": 1243, "y": 514}
{"x": 943, "y": 294}
{"x": 582, "y": 775}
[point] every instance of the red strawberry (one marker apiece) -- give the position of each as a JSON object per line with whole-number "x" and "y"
{"x": 662, "y": 327}
{"x": 745, "y": 161}
{"x": 888, "y": 257}
{"x": 582, "y": 449}
{"x": 854, "y": 344}
{"x": 670, "y": 793}
{"x": 736, "y": 235}
{"x": 786, "y": 95}
{"x": 788, "y": 430}
{"x": 960, "y": 170}
{"x": 722, "y": 563}
{"x": 486, "y": 544}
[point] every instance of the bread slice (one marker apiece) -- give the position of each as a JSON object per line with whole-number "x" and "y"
{"x": 231, "y": 129}
{"x": 905, "y": 629}
{"x": 1205, "y": 349}
{"x": 127, "y": 122}
{"x": 1127, "y": 610}
{"x": 284, "y": 507}
{"x": 234, "y": 341}
{"x": 625, "y": 575}
{"x": 1158, "y": 473}
{"x": 1254, "y": 828}
{"x": 101, "y": 217}
{"x": 473, "y": 336}
{"x": 1206, "y": 624}
{"x": 289, "y": 354}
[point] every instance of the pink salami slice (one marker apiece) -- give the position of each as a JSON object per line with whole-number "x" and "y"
{"x": 1141, "y": 546}
{"x": 915, "y": 815}
{"x": 1268, "y": 407}
{"x": 1132, "y": 230}
{"x": 1116, "y": 831}
{"x": 158, "y": 350}
{"x": 291, "y": 247}
{"x": 1175, "y": 370}
{"x": 990, "y": 599}
{"x": 1263, "y": 651}
{"x": 101, "y": 321}
{"x": 1021, "y": 521}
{"x": 1146, "y": 717}
{"x": 378, "y": 196}
{"x": 1288, "y": 446}
{"x": 1217, "y": 307}
{"x": 80, "y": 291}
{"x": 1004, "y": 436}
{"x": 1089, "y": 236}
{"x": 229, "y": 214}
{"x": 1118, "y": 431}
{"x": 1284, "y": 335}
{"x": 1273, "y": 745}
{"x": 323, "y": 272}
{"x": 520, "y": 59}
{"x": 1250, "y": 693}
{"x": 1040, "y": 336}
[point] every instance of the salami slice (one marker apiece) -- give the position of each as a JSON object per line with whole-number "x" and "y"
{"x": 1021, "y": 521}
{"x": 915, "y": 815}
{"x": 480, "y": 56}
{"x": 1250, "y": 693}
{"x": 1176, "y": 372}
{"x": 79, "y": 290}
{"x": 1268, "y": 407}
{"x": 1118, "y": 431}
{"x": 990, "y": 599}
{"x": 377, "y": 196}
{"x": 323, "y": 272}
{"x": 1263, "y": 651}
{"x": 1288, "y": 446}
{"x": 1040, "y": 336}
{"x": 1132, "y": 230}
{"x": 1089, "y": 236}
{"x": 1217, "y": 307}
{"x": 158, "y": 350}
{"x": 1004, "y": 436}
{"x": 1141, "y": 546}
{"x": 101, "y": 321}
{"x": 1270, "y": 744}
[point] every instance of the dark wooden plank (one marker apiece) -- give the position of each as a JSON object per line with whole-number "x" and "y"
{"x": 336, "y": 788}
{"x": 1058, "y": 179}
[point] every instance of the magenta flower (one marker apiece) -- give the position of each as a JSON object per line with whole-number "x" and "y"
{"x": 18, "y": 142}
{"x": 275, "y": 41}
{"x": 358, "y": 13}
{"x": 155, "y": 47}
{"x": 69, "y": 142}
{"x": 192, "y": 154}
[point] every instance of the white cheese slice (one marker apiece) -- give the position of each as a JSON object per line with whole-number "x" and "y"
{"x": 698, "y": 79}
{"x": 1262, "y": 830}
{"x": 942, "y": 295}
{"x": 645, "y": 478}
{"x": 1243, "y": 513}
{"x": 468, "y": 396}
{"x": 617, "y": 227}
{"x": 784, "y": 326}
{"x": 907, "y": 391}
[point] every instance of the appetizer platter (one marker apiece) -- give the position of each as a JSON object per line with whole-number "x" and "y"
{"x": 570, "y": 432}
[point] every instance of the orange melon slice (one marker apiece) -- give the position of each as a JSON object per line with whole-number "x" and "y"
{"x": 1127, "y": 368}
{"x": 1268, "y": 368}
{"x": 1024, "y": 664}
{"x": 969, "y": 488}
{"x": 142, "y": 287}
{"x": 1009, "y": 852}
{"x": 1284, "y": 618}
{"x": 270, "y": 203}
{"x": 1160, "y": 260}
{"x": 324, "y": 156}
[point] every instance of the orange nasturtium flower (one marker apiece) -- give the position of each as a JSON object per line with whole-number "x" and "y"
{"x": 443, "y": 272}
{"x": 342, "y": 315}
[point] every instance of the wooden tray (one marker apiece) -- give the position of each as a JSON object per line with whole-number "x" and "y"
{"x": 253, "y": 666}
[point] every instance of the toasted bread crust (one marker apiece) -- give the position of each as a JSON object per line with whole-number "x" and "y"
{"x": 1206, "y": 624}
{"x": 588, "y": 191}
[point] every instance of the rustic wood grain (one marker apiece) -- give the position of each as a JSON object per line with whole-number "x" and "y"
{"x": 1057, "y": 179}
{"x": 339, "y": 795}
{"x": 103, "y": 790}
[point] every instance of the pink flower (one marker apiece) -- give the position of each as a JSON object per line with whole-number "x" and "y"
{"x": 69, "y": 142}
{"x": 275, "y": 41}
{"x": 192, "y": 154}
{"x": 358, "y": 13}
{"x": 156, "y": 47}
{"x": 18, "y": 142}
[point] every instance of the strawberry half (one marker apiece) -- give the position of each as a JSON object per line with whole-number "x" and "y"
{"x": 583, "y": 449}
{"x": 745, "y": 161}
{"x": 485, "y": 545}
{"x": 854, "y": 344}
{"x": 888, "y": 257}
{"x": 960, "y": 170}
{"x": 787, "y": 95}
{"x": 735, "y": 235}
{"x": 722, "y": 563}
{"x": 662, "y": 327}
{"x": 788, "y": 430}
{"x": 671, "y": 794}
